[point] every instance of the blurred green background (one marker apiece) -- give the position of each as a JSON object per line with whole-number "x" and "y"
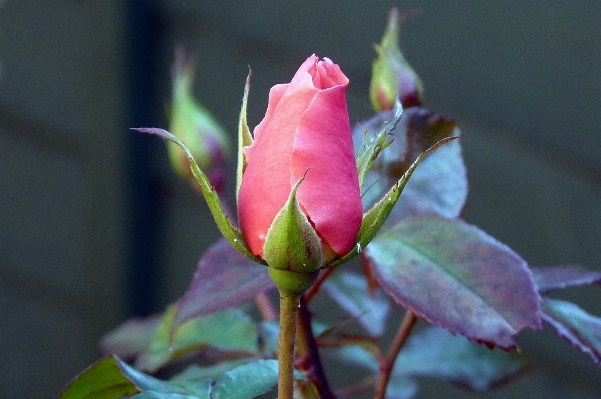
{"x": 95, "y": 228}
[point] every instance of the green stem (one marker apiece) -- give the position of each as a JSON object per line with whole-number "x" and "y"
{"x": 387, "y": 363}
{"x": 288, "y": 311}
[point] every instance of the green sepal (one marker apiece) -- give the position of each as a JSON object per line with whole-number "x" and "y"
{"x": 292, "y": 283}
{"x": 244, "y": 137}
{"x": 372, "y": 146}
{"x": 291, "y": 242}
{"x": 374, "y": 219}
{"x": 231, "y": 234}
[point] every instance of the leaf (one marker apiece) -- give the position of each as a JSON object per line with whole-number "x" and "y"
{"x": 160, "y": 395}
{"x": 374, "y": 219}
{"x": 456, "y": 277}
{"x": 350, "y": 291}
{"x": 131, "y": 337}
{"x": 196, "y": 373}
{"x": 575, "y": 325}
{"x": 224, "y": 278}
{"x": 438, "y": 186}
{"x": 231, "y": 234}
{"x": 102, "y": 380}
{"x": 111, "y": 378}
{"x": 559, "y": 277}
{"x": 248, "y": 381}
{"x": 353, "y": 355}
{"x": 400, "y": 387}
{"x": 228, "y": 330}
{"x": 434, "y": 352}
{"x": 244, "y": 137}
{"x": 147, "y": 383}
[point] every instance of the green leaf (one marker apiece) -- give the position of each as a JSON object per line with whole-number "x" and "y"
{"x": 131, "y": 337}
{"x": 162, "y": 395}
{"x": 350, "y": 291}
{"x": 559, "y": 277}
{"x": 197, "y": 374}
{"x": 292, "y": 243}
{"x": 457, "y": 277}
{"x": 374, "y": 219}
{"x": 248, "y": 381}
{"x": 230, "y": 233}
{"x": 575, "y": 325}
{"x": 111, "y": 378}
{"x": 434, "y": 352}
{"x": 401, "y": 387}
{"x": 146, "y": 383}
{"x": 223, "y": 279}
{"x": 102, "y": 380}
{"x": 244, "y": 137}
{"x": 229, "y": 330}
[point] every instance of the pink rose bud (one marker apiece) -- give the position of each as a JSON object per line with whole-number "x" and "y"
{"x": 392, "y": 75}
{"x": 195, "y": 126}
{"x": 302, "y": 169}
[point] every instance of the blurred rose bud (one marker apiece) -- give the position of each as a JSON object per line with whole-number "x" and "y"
{"x": 392, "y": 76}
{"x": 195, "y": 126}
{"x": 299, "y": 203}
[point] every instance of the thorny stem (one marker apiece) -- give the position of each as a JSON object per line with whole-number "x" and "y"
{"x": 308, "y": 352}
{"x": 288, "y": 310}
{"x": 323, "y": 275}
{"x": 387, "y": 363}
{"x": 265, "y": 307}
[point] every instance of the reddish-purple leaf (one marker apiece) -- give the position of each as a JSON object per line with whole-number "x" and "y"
{"x": 224, "y": 278}
{"x": 439, "y": 184}
{"x": 456, "y": 277}
{"x": 575, "y": 325}
{"x": 558, "y": 277}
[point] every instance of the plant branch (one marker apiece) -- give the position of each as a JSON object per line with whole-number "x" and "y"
{"x": 265, "y": 307}
{"x": 323, "y": 275}
{"x": 387, "y": 363}
{"x": 308, "y": 352}
{"x": 288, "y": 310}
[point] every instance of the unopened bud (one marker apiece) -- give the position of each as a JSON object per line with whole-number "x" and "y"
{"x": 195, "y": 126}
{"x": 392, "y": 75}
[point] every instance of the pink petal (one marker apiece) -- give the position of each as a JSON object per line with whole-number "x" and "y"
{"x": 266, "y": 183}
{"x": 330, "y": 194}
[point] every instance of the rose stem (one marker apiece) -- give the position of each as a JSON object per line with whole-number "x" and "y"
{"x": 308, "y": 352}
{"x": 265, "y": 307}
{"x": 387, "y": 363}
{"x": 288, "y": 310}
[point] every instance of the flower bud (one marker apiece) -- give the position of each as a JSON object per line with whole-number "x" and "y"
{"x": 299, "y": 202}
{"x": 392, "y": 76}
{"x": 195, "y": 126}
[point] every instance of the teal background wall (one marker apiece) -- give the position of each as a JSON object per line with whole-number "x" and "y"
{"x": 523, "y": 79}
